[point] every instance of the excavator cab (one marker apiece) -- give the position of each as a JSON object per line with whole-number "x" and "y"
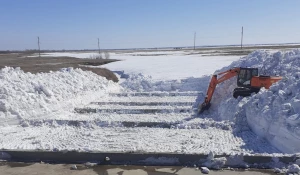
{"x": 245, "y": 78}
{"x": 245, "y": 75}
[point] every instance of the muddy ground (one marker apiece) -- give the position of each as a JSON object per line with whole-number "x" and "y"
{"x": 15, "y": 168}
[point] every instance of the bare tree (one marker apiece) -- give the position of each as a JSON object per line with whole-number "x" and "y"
{"x": 106, "y": 55}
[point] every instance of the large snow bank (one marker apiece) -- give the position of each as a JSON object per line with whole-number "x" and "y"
{"x": 272, "y": 114}
{"x": 26, "y": 95}
{"x": 275, "y": 114}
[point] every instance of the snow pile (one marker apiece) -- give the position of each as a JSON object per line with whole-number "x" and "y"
{"x": 142, "y": 83}
{"x": 275, "y": 114}
{"x": 139, "y": 82}
{"x": 272, "y": 114}
{"x": 277, "y": 170}
{"x": 26, "y": 95}
{"x": 204, "y": 170}
{"x": 218, "y": 163}
{"x": 215, "y": 163}
{"x": 293, "y": 169}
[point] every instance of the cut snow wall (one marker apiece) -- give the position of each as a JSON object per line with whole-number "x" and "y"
{"x": 272, "y": 114}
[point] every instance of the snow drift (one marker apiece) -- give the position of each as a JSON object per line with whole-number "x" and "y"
{"x": 26, "y": 95}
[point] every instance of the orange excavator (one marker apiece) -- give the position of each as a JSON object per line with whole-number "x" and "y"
{"x": 248, "y": 81}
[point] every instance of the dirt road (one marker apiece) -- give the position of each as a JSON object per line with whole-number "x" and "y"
{"x": 65, "y": 169}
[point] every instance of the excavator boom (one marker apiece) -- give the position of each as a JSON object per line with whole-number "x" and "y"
{"x": 212, "y": 86}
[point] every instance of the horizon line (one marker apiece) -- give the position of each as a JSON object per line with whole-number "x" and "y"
{"x": 156, "y": 48}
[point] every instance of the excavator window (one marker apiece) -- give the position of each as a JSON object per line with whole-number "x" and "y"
{"x": 245, "y": 75}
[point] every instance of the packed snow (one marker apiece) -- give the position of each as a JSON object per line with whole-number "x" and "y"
{"x": 153, "y": 108}
{"x": 139, "y": 139}
{"x": 159, "y": 65}
{"x": 170, "y": 67}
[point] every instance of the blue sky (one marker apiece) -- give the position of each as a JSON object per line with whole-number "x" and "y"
{"x": 76, "y": 24}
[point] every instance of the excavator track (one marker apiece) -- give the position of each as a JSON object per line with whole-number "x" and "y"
{"x": 244, "y": 92}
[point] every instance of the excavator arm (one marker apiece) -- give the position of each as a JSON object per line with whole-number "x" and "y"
{"x": 215, "y": 79}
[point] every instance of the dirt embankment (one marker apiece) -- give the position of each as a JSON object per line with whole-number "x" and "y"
{"x": 46, "y": 64}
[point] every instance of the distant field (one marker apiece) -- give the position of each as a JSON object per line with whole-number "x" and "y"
{"x": 46, "y": 64}
{"x": 219, "y": 51}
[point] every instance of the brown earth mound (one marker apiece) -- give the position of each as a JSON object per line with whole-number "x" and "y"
{"x": 46, "y": 64}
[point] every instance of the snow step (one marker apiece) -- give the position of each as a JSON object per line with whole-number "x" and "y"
{"x": 107, "y": 124}
{"x": 190, "y": 93}
{"x": 140, "y": 103}
{"x": 200, "y": 124}
{"x": 113, "y": 117}
{"x": 149, "y": 99}
{"x": 134, "y": 111}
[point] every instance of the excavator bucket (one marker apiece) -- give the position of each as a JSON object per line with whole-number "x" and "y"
{"x": 204, "y": 106}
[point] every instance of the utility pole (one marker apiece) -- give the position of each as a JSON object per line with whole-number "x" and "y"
{"x": 194, "y": 40}
{"x": 99, "y": 46}
{"x": 39, "y": 46}
{"x": 242, "y": 38}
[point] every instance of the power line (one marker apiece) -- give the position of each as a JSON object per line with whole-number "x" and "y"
{"x": 242, "y": 38}
{"x": 99, "y": 46}
{"x": 39, "y": 46}
{"x": 194, "y": 40}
